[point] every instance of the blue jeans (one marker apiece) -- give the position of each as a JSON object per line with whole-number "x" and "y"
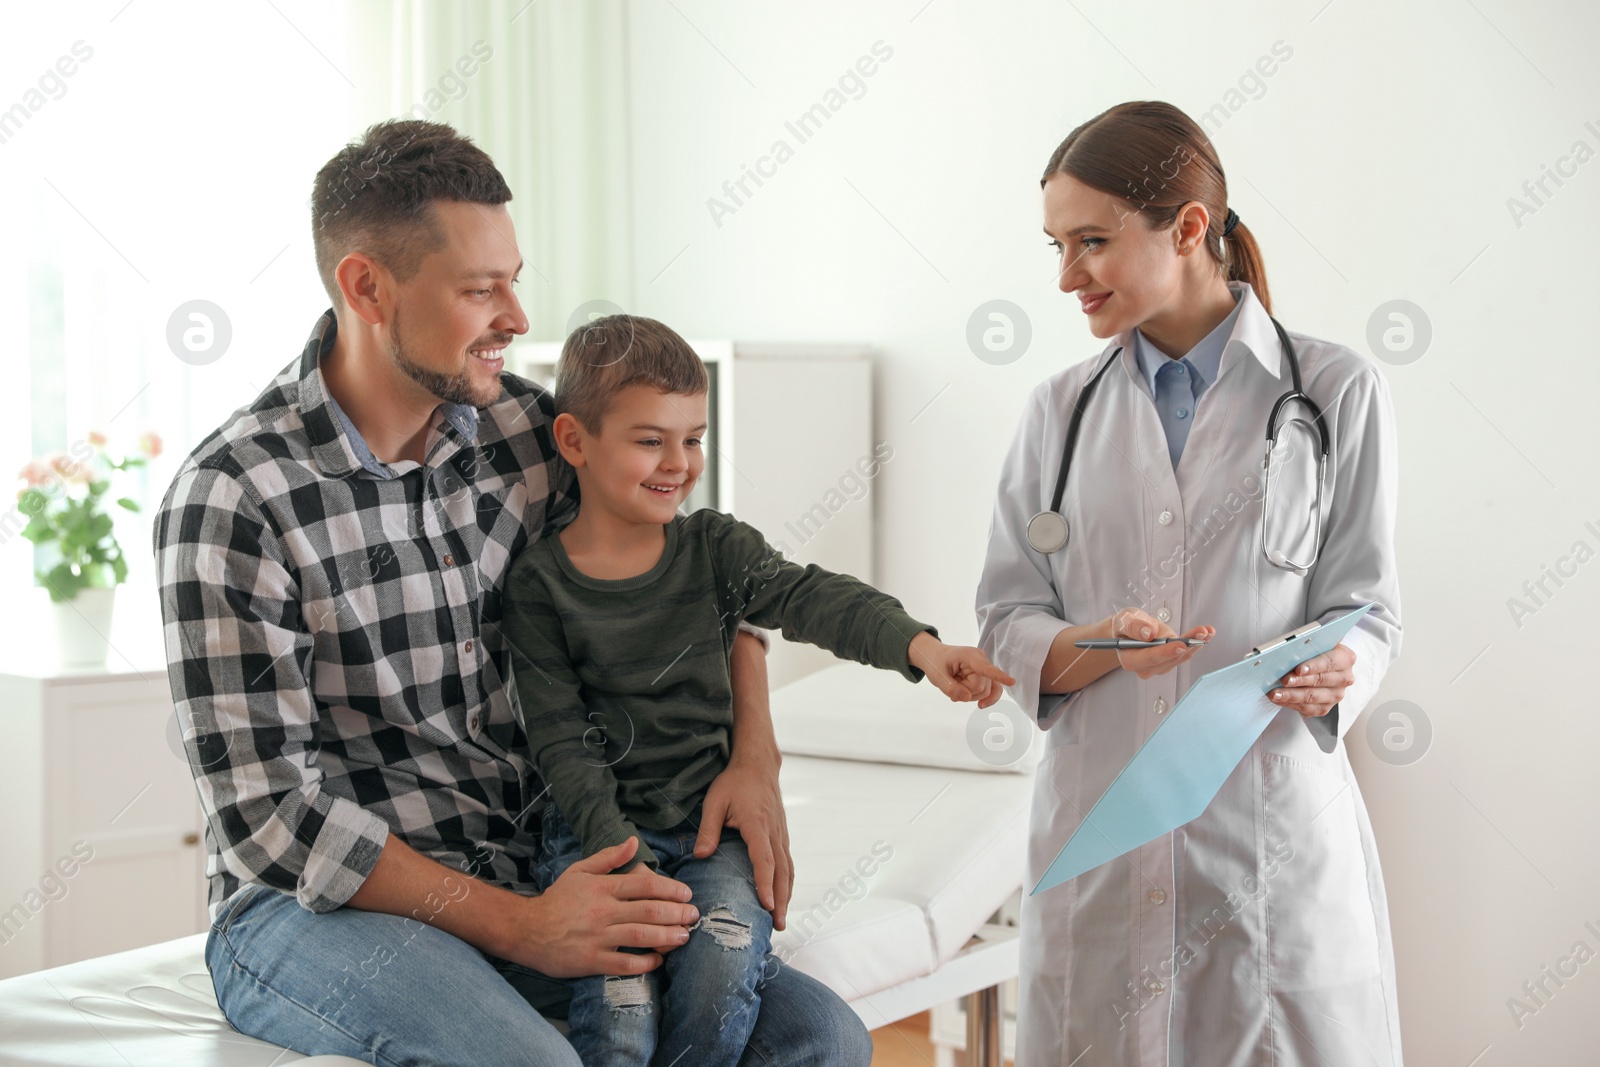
{"x": 701, "y": 1005}
{"x": 393, "y": 991}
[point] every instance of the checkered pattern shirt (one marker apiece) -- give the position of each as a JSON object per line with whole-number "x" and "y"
{"x": 331, "y": 626}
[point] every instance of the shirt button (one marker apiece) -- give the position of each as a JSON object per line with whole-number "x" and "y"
{"x": 469, "y": 646}
{"x": 1157, "y": 987}
{"x": 1180, "y": 368}
{"x": 473, "y": 721}
{"x": 1161, "y": 705}
{"x": 449, "y": 561}
{"x": 1165, "y": 518}
{"x": 1157, "y": 897}
{"x": 1182, "y": 413}
{"x": 1163, "y": 614}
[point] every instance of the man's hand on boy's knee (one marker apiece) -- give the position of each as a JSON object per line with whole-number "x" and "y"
{"x": 571, "y": 930}
{"x": 746, "y": 796}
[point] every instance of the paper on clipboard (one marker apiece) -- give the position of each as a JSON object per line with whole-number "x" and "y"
{"x": 1186, "y": 759}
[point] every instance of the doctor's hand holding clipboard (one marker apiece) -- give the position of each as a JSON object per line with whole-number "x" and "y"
{"x": 1211, "y": 477}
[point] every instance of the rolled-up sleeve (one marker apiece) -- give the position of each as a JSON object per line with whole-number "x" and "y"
{"x": 239, "y": 653}
{"x": 1019, "y": 608}
{"x": 758, "y": 633}
{"x": 1357, "y": 561}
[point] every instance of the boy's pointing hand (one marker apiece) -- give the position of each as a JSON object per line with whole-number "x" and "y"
{"x": 961, "y": 673}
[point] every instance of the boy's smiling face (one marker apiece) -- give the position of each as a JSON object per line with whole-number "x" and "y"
{"x": 646, "y": 458}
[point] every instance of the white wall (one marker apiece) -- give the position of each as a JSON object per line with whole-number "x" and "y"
{"x": 1375, "y": 165}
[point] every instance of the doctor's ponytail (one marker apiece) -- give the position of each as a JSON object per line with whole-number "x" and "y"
{"x": 1157, "y": 159}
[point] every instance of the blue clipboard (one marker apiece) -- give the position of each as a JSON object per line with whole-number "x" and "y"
{"x": 1186, "y": 759}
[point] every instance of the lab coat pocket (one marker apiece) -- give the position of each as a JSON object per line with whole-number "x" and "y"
{"x": 1321, "y": 931}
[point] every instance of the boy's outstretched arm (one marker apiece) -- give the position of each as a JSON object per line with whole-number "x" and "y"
{"x": 960, "y": 672}
{"x": 746, "y": 795}
{"x": 842, "y": 614}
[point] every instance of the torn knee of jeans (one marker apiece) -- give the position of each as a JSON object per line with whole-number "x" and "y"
{"x": 722, "y": 924}
{"x": 629, "y": 993}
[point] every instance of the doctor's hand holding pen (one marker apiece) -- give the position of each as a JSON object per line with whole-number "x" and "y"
{"x": 1131, "y": 624}
{"x": 1068, "y": 668}
{"x": 960, "y": 672}
{"x": 1313, "y": 688}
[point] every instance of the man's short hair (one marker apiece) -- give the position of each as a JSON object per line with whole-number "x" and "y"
{"x": 376, "y": 196}
{"x": 604, "y": 357}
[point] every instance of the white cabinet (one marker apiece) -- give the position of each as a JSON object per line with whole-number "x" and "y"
{"x": 102, "y": 831}
{"x": 789, "y": 450}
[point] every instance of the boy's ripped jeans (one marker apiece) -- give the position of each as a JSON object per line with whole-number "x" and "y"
{"x": 700, "y": 1005}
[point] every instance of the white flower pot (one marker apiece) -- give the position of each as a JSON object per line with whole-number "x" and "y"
{"x": 83, "y": 628}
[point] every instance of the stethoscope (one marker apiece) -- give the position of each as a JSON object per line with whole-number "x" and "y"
{"x": 1047, "y": 531}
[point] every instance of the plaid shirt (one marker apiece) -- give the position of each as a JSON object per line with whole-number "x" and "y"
{"x": 332, "y": 638}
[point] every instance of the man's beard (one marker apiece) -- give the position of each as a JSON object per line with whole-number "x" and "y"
{"x": 451, "y": 388}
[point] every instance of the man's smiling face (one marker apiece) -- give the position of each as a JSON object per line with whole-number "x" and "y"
{"x": 459, "y": 309}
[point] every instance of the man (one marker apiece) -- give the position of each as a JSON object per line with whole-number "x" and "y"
{"x": 331, "y": 563}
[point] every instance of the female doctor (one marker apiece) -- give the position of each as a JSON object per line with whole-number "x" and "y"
{"x": 1258, "y": 933}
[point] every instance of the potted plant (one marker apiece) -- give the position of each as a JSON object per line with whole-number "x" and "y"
{"x": 64, "y": 497}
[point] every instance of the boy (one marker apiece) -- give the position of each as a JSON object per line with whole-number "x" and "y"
{"x": 620, "y": 626}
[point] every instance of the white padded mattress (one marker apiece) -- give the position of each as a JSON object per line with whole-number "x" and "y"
{"x": 956, "y": 842}
{"x": 151, "y": 1007}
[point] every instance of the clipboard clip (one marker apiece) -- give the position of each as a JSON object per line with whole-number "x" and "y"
{"x": 1287, "y": 639}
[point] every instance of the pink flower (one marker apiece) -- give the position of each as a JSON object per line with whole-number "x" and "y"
{"x": 97, "y": 439}
{"x": 35, "y": 473}
{"x": 66, "y": 468}
{"x": 150, "y": 443}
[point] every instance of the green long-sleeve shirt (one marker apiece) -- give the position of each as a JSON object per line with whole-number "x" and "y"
{"x": 626, "y": 694}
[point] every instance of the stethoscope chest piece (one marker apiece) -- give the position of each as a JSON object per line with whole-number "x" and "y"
{"x": 1047, "y": 532}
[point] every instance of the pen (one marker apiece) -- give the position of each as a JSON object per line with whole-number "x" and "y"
{"x": 1126, "y": 642}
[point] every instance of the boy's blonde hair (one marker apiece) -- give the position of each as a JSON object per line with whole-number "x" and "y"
{"x": 601, "y": 359}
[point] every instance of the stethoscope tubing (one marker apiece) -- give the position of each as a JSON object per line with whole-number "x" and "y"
{"x": 1069, "y": 446}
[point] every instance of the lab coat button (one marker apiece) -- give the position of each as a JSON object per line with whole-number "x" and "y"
{"x": 1161, "y": 705}
{"x": 1165, "y": 518}
{"x": 1157, "y": 897}
{"x": 1163, "y": 614}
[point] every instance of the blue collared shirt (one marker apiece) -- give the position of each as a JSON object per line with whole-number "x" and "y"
{"x": 1177, "y": 384}
{"x": 464, "y": 417}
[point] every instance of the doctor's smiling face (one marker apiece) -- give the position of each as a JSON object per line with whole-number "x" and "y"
{"x": 1123, "y": 272}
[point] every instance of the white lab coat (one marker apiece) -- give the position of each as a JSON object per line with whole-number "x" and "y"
{"x": 1257, "y": 934}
